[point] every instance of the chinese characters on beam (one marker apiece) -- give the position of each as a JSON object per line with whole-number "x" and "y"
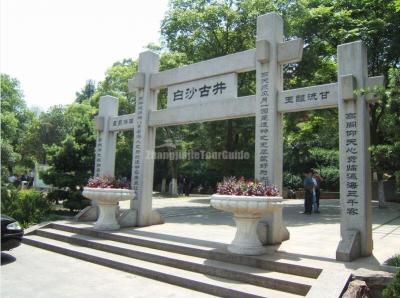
{"x": 351, "y": 164}
{"x": 122, "y": 122}
{"x": 137, "y": 146}
{"x": 204, "y": 91}
{"x": 263, "y": 122}
{"x": 195, "y": 92}
{"x": 106, "y": 139}
{"x": 99, "y": 149}
{"x": 308, "y": 98}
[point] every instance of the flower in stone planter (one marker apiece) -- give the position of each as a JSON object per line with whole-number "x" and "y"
{"x": 107, "y": 182}
{"x": 243, "y": 187}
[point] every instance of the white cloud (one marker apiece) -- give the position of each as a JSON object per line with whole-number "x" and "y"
{"x": 53, "y": 47}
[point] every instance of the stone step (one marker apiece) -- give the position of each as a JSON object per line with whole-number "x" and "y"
{"x": 196, "y": 281}
{"x": 259, "y": 277}
{"x": 196, "y": 248}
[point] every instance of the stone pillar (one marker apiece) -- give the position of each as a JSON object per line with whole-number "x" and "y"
{"x": 144, "y": 142}
{"x": 381, "y": 194}
{"x": 173, "y": 187}
{"x": 106, "y": 140}
{"x": 269, "y": 140}
{"x": 268, "y": 157}
{"x": 163, "y": 185}
{"x": 105, "y": 149}
{"x": 354, "y": 139}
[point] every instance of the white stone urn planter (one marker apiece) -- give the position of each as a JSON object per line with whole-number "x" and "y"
{"x": 107, "y": 199}
{"x": 247, "y": 211}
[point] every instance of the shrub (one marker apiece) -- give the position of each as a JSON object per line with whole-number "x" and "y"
{"x": 393, "y": 289}
{"x": 57, "y": 195}
{"x": 331, "y": 177}
{"x": 75, "y": 201}
{"x": 385, "y": 157}
{"x": 394, "y": 261}
{"x": 28, "y": 206}
{"x": 8, "y": 196}
{"x": 292, "y": 181}
{"x": 321, "y": 157}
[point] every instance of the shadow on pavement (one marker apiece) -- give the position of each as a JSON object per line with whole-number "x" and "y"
{"x": 7, "y": 259}
{"x": 205, "y": 201}
{"x": 330, "y": 214}
{"x": 173, "y": 238}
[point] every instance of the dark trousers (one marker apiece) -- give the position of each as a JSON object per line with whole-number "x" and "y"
{"x": 308, "y": 201}
{"x": 187, "y": 189}
{"x": 317, "y": 195}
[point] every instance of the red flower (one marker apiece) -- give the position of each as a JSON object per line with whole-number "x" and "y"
{"x": 107, "y": 182}
{"x": 243, "y": 187}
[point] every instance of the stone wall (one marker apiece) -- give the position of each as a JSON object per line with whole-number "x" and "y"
{"x": 368, "y": 284}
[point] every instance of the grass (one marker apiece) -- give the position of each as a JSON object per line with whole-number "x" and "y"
{"x": 57, "y": 212}
{"x": 393, "y": 289}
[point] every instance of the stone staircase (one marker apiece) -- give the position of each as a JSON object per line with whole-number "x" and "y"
{"x": 190, "y": 264}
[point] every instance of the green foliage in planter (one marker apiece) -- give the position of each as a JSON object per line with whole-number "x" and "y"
{"x": 393, "y": 289}
{"x": 75, "y": 201}
{"x": 28, "y": 206}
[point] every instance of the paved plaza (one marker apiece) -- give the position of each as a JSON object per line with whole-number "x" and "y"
{"x": 313, "y": 239}
{"x": 191, "y": 220}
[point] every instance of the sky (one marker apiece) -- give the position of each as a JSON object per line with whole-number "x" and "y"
{"x": 54, "y": 46}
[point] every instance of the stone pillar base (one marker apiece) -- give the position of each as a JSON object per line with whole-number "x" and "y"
{"x": 155, "y": 218}
{"x": 128, "y": 218}
{"x": 246, "y": 240}
{"x": 107, "y": 220}
{"x": 349, "y": 247}
{"x": 271, "y": 229}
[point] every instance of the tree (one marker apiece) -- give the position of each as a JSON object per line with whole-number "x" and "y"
{"x": 87, "y": 92}
{"x": 77, "y": 146}
{"x": 203, "y": 30}
{"x": 49, "y": 128}
{"x": 386, "y": 154}
{"x": 116, "y": 84}
{"x": 71, "y": 161}
{"x": 326, "y": 24}
{"x": 196, "y": 30}
{"x": 206, "y": 29}
{"x": 15, "y": 118}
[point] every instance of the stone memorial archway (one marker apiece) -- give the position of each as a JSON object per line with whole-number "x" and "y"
{"x": 207, "y": 91}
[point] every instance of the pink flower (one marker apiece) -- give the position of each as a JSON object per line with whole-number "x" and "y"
{"x": 107, "y": 182}
{"x": 238, "y": 187}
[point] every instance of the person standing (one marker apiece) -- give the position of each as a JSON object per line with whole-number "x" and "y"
{"x": 187, "y": 186}
{"x": 308, "y": 192}
{"x": 181, "y": 184}
{"x": 314, "y": 197}
{"x": 317, "y": 189}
